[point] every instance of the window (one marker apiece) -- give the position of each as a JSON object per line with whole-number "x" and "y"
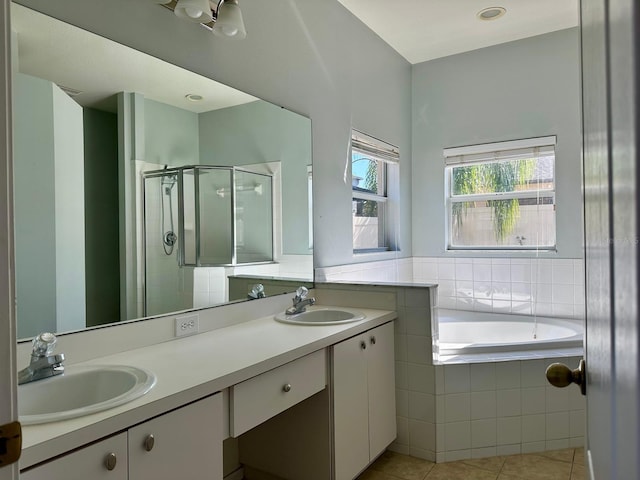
{"x": 371, "y": 162}
{"x": 501, "y": 196}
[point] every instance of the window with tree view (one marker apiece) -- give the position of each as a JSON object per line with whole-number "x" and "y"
{"x": 370, "y": 160}
{"x": 503, "y": 199}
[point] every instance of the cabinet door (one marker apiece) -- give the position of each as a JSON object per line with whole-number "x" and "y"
{"x": 350, "y": 407}
{"x": 186, "y": 444}
{"x": 87, "y": 463}
{"x": 382, "y": 388}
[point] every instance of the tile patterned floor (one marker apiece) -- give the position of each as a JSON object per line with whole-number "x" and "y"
{"x": 565, "y": 464}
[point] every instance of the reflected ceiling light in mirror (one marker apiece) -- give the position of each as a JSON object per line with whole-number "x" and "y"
{"x": 198, "y": 11}
{"x": 228, "y": 21}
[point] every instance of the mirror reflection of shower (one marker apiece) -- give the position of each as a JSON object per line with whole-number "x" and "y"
{"x": 169, "y": 237}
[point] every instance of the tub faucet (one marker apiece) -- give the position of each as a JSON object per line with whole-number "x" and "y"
{"x": 300, "y": 302}
{"x": 43, "y": 363}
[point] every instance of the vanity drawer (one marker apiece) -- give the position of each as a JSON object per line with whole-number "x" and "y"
{"x": 260, "y": 398}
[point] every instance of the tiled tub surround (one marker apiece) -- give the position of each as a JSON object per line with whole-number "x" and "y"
{"x": 526, "y": 286}
{"x": 457, "y": 411}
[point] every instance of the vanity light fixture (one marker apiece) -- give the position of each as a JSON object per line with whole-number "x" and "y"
{"x": 491, "y": 13}
{"x": 224, "y": 21}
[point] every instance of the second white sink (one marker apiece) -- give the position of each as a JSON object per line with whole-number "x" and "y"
{"x": 322, "y": 316}
{"x": 81, "y": 391}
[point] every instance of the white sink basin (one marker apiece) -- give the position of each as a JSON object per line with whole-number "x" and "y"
{"x": 322, "y": 316}
{"x": 81, "y": 391}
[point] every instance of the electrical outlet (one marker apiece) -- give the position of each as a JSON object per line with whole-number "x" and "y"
{"x": 187, "y": 325}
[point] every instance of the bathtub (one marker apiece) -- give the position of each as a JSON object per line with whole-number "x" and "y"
{"x": 466, "y": 333}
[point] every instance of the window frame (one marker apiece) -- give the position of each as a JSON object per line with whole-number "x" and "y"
{"x": 495, "y": 153}
{"x": 386, "y": 155}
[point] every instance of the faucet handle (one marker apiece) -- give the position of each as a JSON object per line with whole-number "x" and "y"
{"x": 301, "y": 293}
{"x": 43, "y": 344}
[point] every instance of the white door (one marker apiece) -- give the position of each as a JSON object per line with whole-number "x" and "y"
{"x": 610, "y": 56}
{"x": 8, "y": 404}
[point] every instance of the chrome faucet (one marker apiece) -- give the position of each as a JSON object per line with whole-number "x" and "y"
{"x": 300, "y": 302}
{"x": 43, "y": 363}
{"x": 257, "y": 291}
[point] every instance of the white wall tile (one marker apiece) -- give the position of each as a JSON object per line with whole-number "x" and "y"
{"x": 402, "y": 375}
{"x": 557, "y": 426}
{"x": 483, "y": 433}
{"x": 482, "y": 376}
{"x": 419, "y": 349}
{"x": 577, "y": 423}
{"x": 422, "y": 406}
{"x": 457, "y": 407}
{"x": 509, "y": 402}
{"x": 562, "y": 272}
{"x": 417, "y": 320}
{"x": 456, "y": 378}
{"x": 557, "y": 444}
{"x": 533, "y": 373}
{"x": 500, "y": 290}
{"x": 422, "y": 435}
{"x": 533, "y": 400}
{"x": 507, "y": 375}
{"x": 416, "y": 297}
{"x": 457, "y": 436}
{"x": 401, "y": 348}
{"x": 521, "y": 272}
{"x": 562, "y": 294}
{"x": 509, "y": 430}
{"x": 446, "y": 271}
{"x": 483, "y": 405}
{"x": 542, "y": 292}
{"x": 509, "y": 449}
{"x": 562, "y": 309}
{"x": 454, "y": 456}
{"x": 402, "y": 402}
{"x": 533, "y": 428}
{"x": 402, "y": 435}
{"x": 557, "y": 399}
{"x": 482, "y": 272}
{"x": 484, "y": 452}
{"x": 421, "y": 378}
{"x": 533, "y": 447}
{"x": 463, "y": 271}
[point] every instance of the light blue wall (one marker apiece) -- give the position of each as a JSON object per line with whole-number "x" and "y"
{"x": 170, "y": 135}
{"x": 49, "y": 208}
{"x": 521, "y": 89}
{"x": 260, "y": 132}
{"x": 34, "y": 207}
{"x": 312, "y": 57}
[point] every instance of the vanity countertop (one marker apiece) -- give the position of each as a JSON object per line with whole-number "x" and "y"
{"x": 191, "y": 368}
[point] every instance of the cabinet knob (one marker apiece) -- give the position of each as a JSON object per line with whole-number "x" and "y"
{"x": 287, "y": 387}
{"x": 110, "y": 461}
{"x": 149, "y": 442}
{"x": 363, "y": 345}
{"x": 373, "y": 340}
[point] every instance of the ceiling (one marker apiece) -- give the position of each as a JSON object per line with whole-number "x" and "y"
{"x": 66, "y": 55}
{"x": 422, "y": 30}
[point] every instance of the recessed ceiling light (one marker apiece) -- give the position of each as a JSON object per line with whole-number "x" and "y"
{"x": 193, "y": 97}
{"x": 491, "y": 13}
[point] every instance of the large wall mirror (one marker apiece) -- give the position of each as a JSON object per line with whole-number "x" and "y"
{"x": 142, "y": 188}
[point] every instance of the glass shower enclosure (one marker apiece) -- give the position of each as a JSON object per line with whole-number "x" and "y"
{"x": 201, "y": 216}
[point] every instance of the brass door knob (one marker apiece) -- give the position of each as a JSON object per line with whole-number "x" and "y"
{"x": 559, "y": 375}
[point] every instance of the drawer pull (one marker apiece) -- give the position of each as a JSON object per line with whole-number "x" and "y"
{"x": 373, "y": 340}
{"x": 149, "y": 442}
{"x": 287, "y": 387}
{"x": 110, "y": 461}
{"x": 363, "y": 345}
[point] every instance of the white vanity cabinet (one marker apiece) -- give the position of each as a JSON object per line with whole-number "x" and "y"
{"x": 364, "y": 412}
{"x": 103, "y": 460}
{"x": 183, "y": 444}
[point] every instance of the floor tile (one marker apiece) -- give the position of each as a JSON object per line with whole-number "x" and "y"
{"x": 564, "y": 455}
{"x": 536, "y": 467}
{"x": 459, "y": 471}
{"x": 375, "y": 475}
{"x": 402, "y": 466}
{"x": 492, "y": 464}
{"x": 578, "y": 472}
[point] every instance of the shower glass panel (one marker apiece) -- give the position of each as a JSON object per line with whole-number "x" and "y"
{"x": 215, "y": 214}
{"x": 254, "y": 217}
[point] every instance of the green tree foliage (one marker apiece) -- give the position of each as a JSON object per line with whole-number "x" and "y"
{"x": 492, "y": 178}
